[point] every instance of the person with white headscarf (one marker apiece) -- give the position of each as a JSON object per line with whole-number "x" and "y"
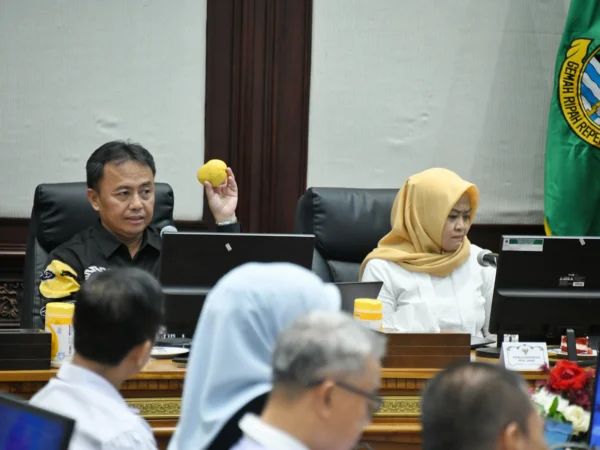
{"x": 229, "y": 369}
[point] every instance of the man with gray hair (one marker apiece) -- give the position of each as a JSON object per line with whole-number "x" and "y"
{"x": 326, "y": 376}
{"x": 478, "y": 406}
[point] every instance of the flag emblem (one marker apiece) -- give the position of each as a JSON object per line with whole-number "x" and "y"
{"x": 579, "y": 90}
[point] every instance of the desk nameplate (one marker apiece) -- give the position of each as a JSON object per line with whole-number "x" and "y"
{"x": 524, "y": 356}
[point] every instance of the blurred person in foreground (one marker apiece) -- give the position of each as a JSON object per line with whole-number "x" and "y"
{"x": 117, "y": 316}
{"x": 326, "y": 376}
{"x": 479, "y": 406}
{"x": 229, "y": 368}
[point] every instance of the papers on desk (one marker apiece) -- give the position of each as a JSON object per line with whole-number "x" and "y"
{"x": 167, "y": 352}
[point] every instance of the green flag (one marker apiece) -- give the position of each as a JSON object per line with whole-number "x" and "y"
{"x": 572, "y": 178}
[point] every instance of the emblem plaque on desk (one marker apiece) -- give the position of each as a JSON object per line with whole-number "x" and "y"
{"x": 524, "y": 356}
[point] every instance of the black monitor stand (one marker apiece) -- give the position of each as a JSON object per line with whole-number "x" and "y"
{"x": 571, "y": 345}
{"x": 491, "y": 352}
{"x": 494, "y": 352}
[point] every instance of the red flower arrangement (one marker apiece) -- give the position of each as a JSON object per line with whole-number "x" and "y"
{"x": 573, "y": 382}
{"x": 566, "y": 396}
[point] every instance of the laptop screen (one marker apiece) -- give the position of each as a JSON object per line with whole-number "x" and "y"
{"x": 28, "y": 427}
{"x": 192, "y": 263}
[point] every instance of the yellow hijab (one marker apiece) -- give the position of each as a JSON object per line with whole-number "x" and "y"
{"x": 418, "y": 217}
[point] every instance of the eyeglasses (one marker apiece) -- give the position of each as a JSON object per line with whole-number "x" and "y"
{"x": 375, "y": 402}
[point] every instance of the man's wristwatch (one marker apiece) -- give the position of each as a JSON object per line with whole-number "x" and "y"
{"x": 229, "y": 222}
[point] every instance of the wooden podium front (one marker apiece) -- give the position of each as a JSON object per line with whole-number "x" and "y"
{"x": 157, "y": 390}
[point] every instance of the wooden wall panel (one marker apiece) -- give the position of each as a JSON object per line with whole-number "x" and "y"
{"x": 13, "y": 237}
{"x": 13, "y": 241}
{"x": 257, "y": 95}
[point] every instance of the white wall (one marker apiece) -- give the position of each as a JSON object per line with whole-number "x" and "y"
{"x": 76, "y": 74}
{"x": 402, "y": 85}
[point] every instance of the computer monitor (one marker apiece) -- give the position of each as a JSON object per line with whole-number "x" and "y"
{"x": 350, "y": 291}
{"x": 594, "y": 428}
{"x": 27, "y": 426}
{"x": 191, "y": 263}
{"x": 546, "y": 285}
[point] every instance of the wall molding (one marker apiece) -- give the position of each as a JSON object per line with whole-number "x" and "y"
{"x": 13, "y": 244}
{"x": 13, "y": 240}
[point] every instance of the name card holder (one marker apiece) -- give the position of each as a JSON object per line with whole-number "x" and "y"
{"x": 524, "y": 356}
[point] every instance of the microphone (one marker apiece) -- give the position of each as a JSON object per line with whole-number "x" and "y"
{"x": 167, "y": 229}
{"x": 487, "y": 258}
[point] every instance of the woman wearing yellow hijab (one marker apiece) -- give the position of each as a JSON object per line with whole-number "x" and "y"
{"x": 432, "y": 281}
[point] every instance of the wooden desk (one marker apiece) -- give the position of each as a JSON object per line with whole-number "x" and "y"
{"x": 157, "y": 390}
{"x": 397, "y": 424}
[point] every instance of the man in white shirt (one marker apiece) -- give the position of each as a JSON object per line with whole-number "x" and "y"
{"x": 117, "y": 316}
{"x": 326, "y": 376}
{"x": 479, "y": 406}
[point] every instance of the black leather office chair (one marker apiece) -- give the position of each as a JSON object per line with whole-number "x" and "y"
{"x": 59, "y": 212}
{"x": 347, "y": 224}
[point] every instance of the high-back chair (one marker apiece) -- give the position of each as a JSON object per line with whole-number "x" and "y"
{"x": 61, "y": 210}
{"x": 347, "y": 224}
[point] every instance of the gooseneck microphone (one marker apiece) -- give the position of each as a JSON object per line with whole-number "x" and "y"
{"x": 167, "y": 229}
{"x": 485, "y": 258}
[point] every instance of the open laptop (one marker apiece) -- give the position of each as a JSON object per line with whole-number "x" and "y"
{"x": 350, "y": 291}
{"x": 24, "y": 426}
{"x": 192, "y": 263}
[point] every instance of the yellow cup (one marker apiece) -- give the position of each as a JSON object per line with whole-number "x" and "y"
{"x": 59, "y": 322}
{"x": 369, "y": 311}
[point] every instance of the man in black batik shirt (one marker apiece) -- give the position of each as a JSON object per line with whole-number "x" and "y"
{"x": 120, "y": 179}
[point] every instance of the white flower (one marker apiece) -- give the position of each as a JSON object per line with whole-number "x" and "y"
{"x": 578, "y": 417}
{"x": 545, "y": 399}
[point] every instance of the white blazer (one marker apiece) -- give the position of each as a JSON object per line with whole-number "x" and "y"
{"x": 421, "y": 303}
